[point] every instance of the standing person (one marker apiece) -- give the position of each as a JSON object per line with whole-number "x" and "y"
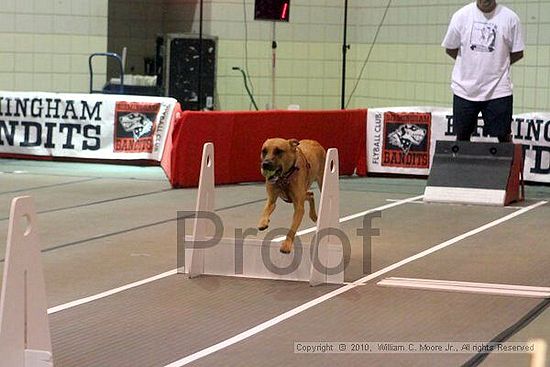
{"x": 485, "y": 39}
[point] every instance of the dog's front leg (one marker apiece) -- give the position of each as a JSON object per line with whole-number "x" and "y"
{"x": 268, "y": 210}
{"x": 299, "y": 211}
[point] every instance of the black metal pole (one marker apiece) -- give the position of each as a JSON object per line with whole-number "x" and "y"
{"x": 345, "y": 48}
{"x": 199, "y": 85}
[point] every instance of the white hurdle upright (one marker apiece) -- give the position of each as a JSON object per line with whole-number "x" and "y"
{"x": 24, "y": 328}
{"x": 205, "y": 203}
{"x": 538, "y": 356}
{"x": 253, "y": 258}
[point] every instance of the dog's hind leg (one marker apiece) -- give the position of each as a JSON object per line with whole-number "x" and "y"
{"x": 311, "y": 201}
{"x": 319, "y": 179}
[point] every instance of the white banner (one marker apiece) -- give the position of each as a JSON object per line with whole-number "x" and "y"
{"x": 402, "y": 139}
{"x": 97, "y": 126}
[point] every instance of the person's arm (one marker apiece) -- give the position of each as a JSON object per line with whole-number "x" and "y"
{"x": 515, "y": 56}
{"x": 453, "y": 52}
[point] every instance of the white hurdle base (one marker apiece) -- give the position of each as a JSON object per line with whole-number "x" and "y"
{"x": 24, "y": 328}
{"x": 221, "y": 258}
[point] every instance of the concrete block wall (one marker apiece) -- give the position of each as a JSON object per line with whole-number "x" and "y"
{"x": 395, "y": 57}
{"x": 45, "y": 44}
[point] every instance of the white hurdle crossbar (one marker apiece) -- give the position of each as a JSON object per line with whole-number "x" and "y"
{"x": 253, "y": 258}
{"x": 24, "y": 328}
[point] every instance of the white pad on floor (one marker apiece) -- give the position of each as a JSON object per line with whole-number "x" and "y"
{"x": 24, "y": 328}
{"x": 254, "y": 259}
{"x": 467, "y": 287}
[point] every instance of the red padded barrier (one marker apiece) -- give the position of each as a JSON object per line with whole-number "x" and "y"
{"x": 166, "y": 160}
{"x": 238, "y": 138}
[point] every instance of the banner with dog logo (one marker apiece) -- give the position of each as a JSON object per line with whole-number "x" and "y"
{"x": 93, "y": 126}
{"x": 401, "y": 140}
{"x": 406, "y": 141}
{"x": 135, "y": 126}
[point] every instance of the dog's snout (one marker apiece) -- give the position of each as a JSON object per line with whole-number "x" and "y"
{"x": 267, "y": 165}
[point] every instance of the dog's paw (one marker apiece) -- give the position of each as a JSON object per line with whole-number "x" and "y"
{"x": 262, "y": 226}
{"x": 286, "y": 247}
{"x": 313, "y": 217}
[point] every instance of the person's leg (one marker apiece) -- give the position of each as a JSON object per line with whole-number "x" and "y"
{"x": 497, "y": 116}
{"x": 505, "y": 138}
{"x": 465, "y": 115}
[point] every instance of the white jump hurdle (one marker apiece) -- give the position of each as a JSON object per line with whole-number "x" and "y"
{"x": 24, "y": 328}
{"x": 538, "y": 356}
{"x": 253, "y": 258}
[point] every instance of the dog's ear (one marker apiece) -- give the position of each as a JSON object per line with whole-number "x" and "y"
{"x": 293, "y": 143}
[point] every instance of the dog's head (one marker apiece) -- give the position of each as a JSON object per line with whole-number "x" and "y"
{"x": 278, "y": 156}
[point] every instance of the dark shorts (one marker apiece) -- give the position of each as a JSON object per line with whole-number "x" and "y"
{"x": 497, "y": 117}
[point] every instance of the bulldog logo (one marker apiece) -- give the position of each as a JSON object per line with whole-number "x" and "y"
{"x": 407, "y": 135}
{"x": 138, "y": 124}
{"x": 135, "y": 126}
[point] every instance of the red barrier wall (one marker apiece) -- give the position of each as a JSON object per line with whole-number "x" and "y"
{"x": 238, "y": 138}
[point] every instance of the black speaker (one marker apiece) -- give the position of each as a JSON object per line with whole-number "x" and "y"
{"x": 275, "y": 10}
{"x": 182, "y": 78}
{"x": 475, "y": 173}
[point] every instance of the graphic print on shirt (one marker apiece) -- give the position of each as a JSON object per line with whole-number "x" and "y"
{"x": 483, "y": 37}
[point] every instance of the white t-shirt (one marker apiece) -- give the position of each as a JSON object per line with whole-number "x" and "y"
{"x": 485, "y": 41}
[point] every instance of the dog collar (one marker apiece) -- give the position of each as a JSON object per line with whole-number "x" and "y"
{"x": 283, "y": 181}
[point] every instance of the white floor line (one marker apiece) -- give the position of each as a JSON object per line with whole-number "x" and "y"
{"x": 380, "y": 208}
{"x": 123, "y": 288}
{"x": 412, "y": 202}
{"x": 259, "y": 328}
{"x": 110, "y": 292}
{"x": 295, "y": 311}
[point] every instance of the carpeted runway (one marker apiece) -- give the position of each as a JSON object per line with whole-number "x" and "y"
{"x": 103, "y": 227}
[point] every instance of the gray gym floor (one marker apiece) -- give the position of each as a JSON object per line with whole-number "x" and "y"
{"x": 106, "y": 226}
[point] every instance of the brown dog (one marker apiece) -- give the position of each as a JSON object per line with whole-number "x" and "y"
{"x": 290, "y": 167}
